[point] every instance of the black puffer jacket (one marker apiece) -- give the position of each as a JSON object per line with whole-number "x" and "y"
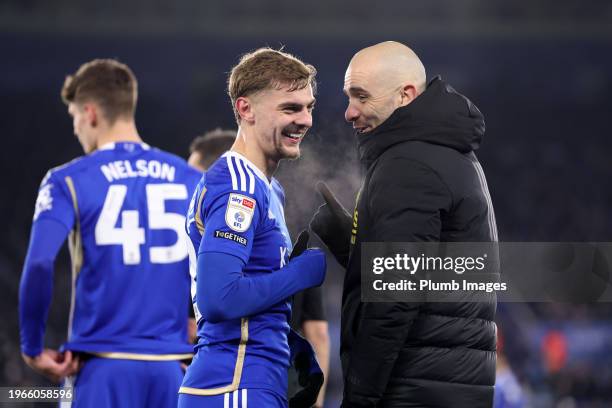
{"x": 423, "y": 183}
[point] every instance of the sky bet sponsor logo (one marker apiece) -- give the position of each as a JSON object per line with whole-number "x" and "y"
{"x": 232, "y": 237}
{"x": 241, "y": 200}
{"x": 239, "y": 212}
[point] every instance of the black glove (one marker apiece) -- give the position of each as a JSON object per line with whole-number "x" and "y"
{"x": 305, "y": 376}
{"x": 301, "y": 244}
{"x": 332, "y": 223}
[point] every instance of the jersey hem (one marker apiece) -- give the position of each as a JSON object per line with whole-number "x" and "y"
{"x": 144, "y": 357}
{"x": 230, "y": 388}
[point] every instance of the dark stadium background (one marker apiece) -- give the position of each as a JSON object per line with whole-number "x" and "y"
{"x": 540, "y": 71}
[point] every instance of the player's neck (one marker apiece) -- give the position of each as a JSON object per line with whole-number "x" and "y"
{"x": 254, "y": 154}
{"x": 120, "y": 131}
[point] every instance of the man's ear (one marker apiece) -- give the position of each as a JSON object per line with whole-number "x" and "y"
{"x": 409, "y": 94}
{"x": 92, "y": 114}
{"x": 244, "y": 107}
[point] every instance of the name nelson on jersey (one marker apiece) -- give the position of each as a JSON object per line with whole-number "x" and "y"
{"x": 122, "y": 169}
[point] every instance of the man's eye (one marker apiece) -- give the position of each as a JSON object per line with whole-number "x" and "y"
{"x": 362, "y": 98}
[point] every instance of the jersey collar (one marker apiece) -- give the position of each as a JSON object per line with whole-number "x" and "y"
{"x": 111, "y": 145}
{"x": 253, "y": 167}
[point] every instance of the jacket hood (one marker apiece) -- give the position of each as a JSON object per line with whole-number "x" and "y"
{"x": 440, "y": 115}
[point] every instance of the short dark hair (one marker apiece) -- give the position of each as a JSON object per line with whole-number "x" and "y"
{"x": 267, "y": 68}
{"x": 212, "y": 144}
{"x": 107, "y": 82}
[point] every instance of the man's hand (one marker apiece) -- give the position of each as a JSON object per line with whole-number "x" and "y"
{"x": 301, "y": 249}
{"x": 301, "y": 244}
{"x": 332, "y": 223}
{"x": 53, "y": 364}
{"x": 305, "y": 375}
{"x": 317, "y": 334}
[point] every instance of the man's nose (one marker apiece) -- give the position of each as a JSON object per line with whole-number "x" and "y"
{"x": 351, "y": 114}
{"x": 305, "y": 119}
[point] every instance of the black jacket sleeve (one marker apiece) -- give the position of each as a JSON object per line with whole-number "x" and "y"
{"x": 405, "y": 199}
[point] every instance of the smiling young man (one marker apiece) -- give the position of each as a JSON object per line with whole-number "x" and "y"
{"x": 239, "y": 253}
{"x": 307, "y": 311}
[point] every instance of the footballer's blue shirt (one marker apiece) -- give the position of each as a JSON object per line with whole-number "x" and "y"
{"x": 124, "y": 205}
{"x": 237, "y": 211}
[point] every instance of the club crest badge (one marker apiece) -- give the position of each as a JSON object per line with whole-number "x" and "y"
{"x": 44, "y": 201}
{"x": 239, "y": 212}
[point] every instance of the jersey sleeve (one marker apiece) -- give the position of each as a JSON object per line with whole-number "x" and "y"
{"x": 54, "y": 201}
{"x": 36, "y": 286}
{"x": 230, "y": 219}
{"x": 53, "y": 219}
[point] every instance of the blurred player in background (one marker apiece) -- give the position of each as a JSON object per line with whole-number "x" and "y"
{"x": 508, "y": 391}
{"x": 240, "y": 245}
{"x": 206, "y": 149}
{"x": 307, "y": 311}
{"x": 123, "y": 204}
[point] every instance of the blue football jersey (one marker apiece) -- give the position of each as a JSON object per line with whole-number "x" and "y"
{"x": 125, "y": 206}
{"x": 236, "y": 210}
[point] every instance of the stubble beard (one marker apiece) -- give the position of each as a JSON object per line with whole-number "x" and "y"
{"x": 286, "y": 153}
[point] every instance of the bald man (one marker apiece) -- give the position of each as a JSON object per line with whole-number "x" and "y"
{"x": 423, "y": 183}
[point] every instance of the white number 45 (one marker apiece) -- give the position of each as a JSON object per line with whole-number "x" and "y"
{"x": 130, "y": 235}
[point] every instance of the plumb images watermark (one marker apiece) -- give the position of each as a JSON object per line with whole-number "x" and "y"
{"x": 35, "y": 394}
{"x": 474, "y": 272}
{"x": 422, "y": 263}
{"x": 429, "y": 285}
